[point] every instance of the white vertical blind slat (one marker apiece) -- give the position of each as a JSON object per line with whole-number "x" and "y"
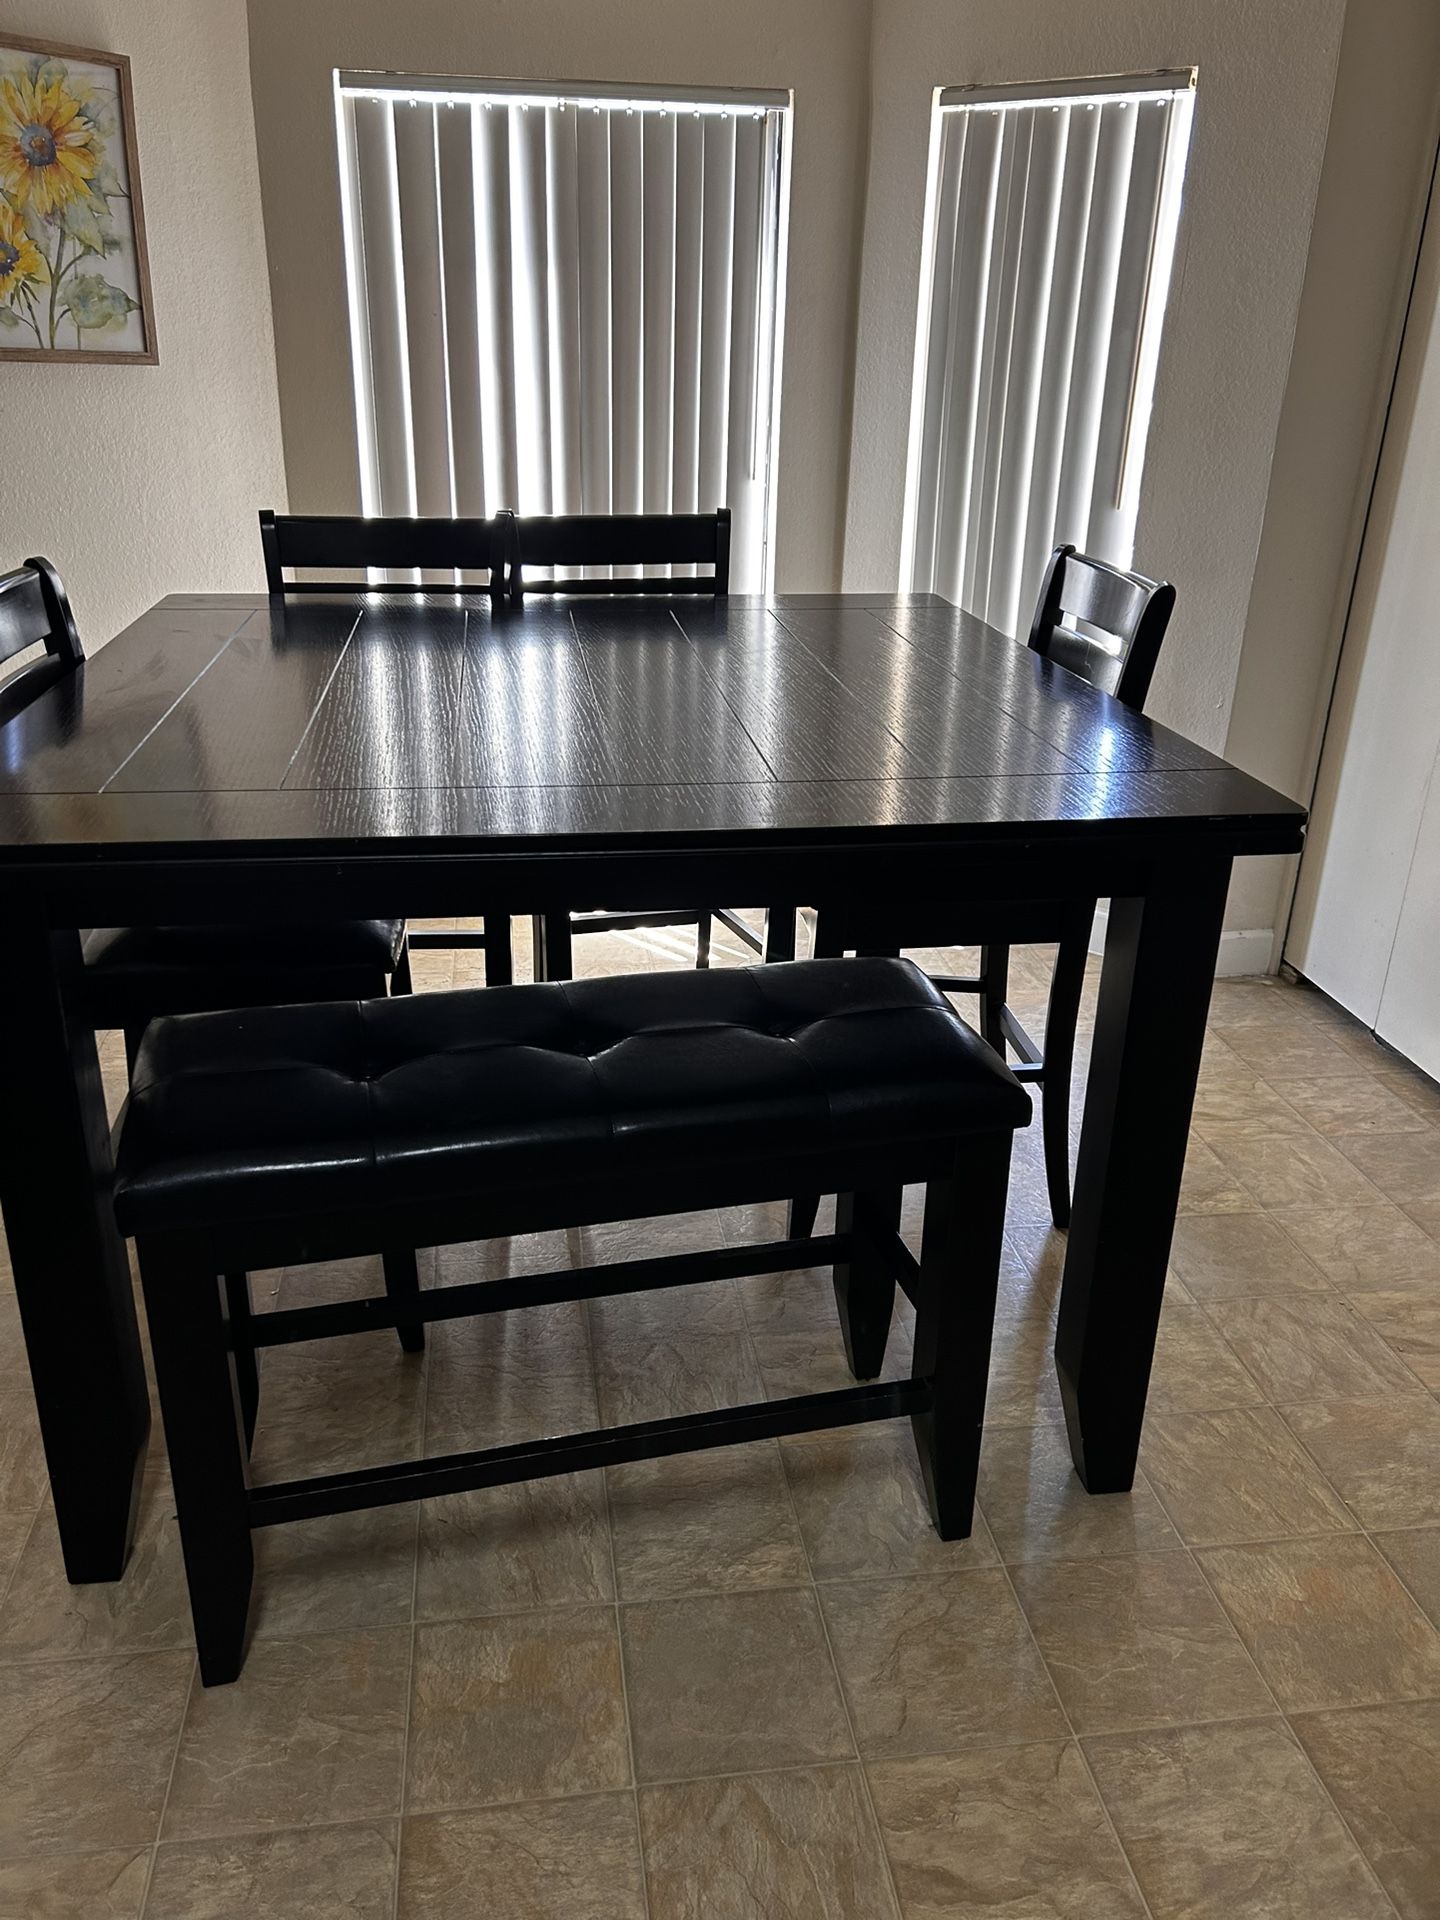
{"x": 627, "y": 378}
{"x": 658, "y": 308}
{"x": 689, "y": 201}
{"x": 1036, "y": 338}
{"x": 462, "y": 302}
{"x": 593, "y": 143}
{"x": 385, "y": 303}
{"x": 717, "y": 245}
{"x": 742, "y": 489}
{"x": 491, "y": 142}
{"x": 531, "y": 305}
{"x": 562, "y": 253}
{"x": 418, "y": 190}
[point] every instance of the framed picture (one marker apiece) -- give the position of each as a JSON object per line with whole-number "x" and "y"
{"x": 74, "y": 276}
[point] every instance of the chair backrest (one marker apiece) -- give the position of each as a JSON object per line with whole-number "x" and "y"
{"x": 1133, "y": 610}
{"x": 350, "y": 540}
{"x": 35, "y": 608}
{"x": 621, "y": 540}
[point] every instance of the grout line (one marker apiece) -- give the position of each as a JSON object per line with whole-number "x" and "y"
{"x": 169, "y": 1784}
{"x": 414, "y": 1592}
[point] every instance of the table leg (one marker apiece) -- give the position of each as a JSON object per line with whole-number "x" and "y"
{"x": 72, "y": 1277}
{"x": 1149, "y": 1031}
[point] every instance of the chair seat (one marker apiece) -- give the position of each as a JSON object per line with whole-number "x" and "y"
{"x": 133, "y": 973}
{"x": 293, "y": 1110}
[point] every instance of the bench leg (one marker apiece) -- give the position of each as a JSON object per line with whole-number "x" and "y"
{"x": 803, "y": 1211}
{"x": 402, "y": 1283}
{"x": 239, "y": 1308}
{"x": 954, "y": 1322}
{"x": 1066, "y": 986}
{"x": 499, "y": 951}
{"x": 995, "y": 972}
{"x": 703, "y": 927}
{"x": 204, "y": 1435}
{"x": 865, "y": 1283}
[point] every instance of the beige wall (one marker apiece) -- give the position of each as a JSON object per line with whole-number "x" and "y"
{"x": 1266, "y": 72}
{"x": 139, "y": 481}
{"x": 818, "y": 47}
{"x": 1383, "y": 129}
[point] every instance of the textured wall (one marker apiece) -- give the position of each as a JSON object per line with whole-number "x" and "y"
{"x": 818, "y": 47}
{"x": 139, "y": 481}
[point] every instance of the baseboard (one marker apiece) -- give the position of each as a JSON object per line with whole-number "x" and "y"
{"x": 1247, "y": 950}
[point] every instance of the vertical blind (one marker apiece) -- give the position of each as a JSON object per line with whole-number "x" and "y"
{"x": 563, "y": 303}
{"x": 1050, "y": 232}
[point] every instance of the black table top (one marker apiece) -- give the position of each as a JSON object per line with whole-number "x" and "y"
{"x": 389, "y": 723}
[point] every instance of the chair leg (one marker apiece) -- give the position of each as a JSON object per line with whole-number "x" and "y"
{"x": 552, "y": 937}
{"x": 1061, "y": 1016}
{"x": 780, "y": 933}
{"x": 703, "y": 923}
{"x": 803, "y": 1211}
{"x": 995, "y": 972}
{"x": 829, "y": 944}
{"x": 400, "y": 979}
{"x": 499, "y": 952}
{"x": 132, "y": 1047}
{"x": 954, "y": 1322}
{"x": 239, "y": 1308}
{"x": 204, "y": 1435}
{"x": 865, "y": 1283}
{"x": 402, "y": 1284}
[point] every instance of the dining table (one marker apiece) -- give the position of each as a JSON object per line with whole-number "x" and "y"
{"x": 238, "y": 759}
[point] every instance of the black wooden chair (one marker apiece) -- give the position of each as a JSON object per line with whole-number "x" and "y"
{"x": 305, "y": 1133}
{"x": 459, "y": 547}
{"x": 131, "y": 975}
{"x": 660, "y": 542}
{"x": 1118, "y": 624}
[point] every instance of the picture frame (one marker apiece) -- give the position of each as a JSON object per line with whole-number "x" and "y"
{"x": 74, "y": 268}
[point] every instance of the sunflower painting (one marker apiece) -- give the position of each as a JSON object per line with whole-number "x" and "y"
{"x": 74, "y": 279}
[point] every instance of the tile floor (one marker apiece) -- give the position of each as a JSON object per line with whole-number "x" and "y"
{"x": 754, "y": 1683}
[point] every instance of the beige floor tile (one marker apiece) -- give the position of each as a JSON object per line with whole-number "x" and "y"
{"x": 721, "y": 1521}
{"x": 311, "y": 1732}
{"x": 800, "y": 1302}
{"x": 576, "y": 1859}
{"x": 1289, "y": 1050}
{"x": 1414, "y": 1553}
{"x": 664, "y": 1233}
{"x": 1209, "y": 1186}
{"x": 1359, "y": 1248}
{"x": 81, "y": 1886}
{"x": 1240, "y": 1103}
{"x": 345, "y": 1570}
{"x": 669, "y": 1313}
{"x": 43, "y": 1616}
{"x": 1138, "y": 1642}
{"x": 86, "y": 1751}
{"x": 863, "y": 1510}
{"x": 938, "y": 1664}
{"x": 1310, "y": 1347}
{"x": 308, "y": 1875}
{"x": 792, "y": 1364}
{"x": 14, "y": 1532}
{"x": 1296, "y": 1170}
{"x": 1327, "y": 1621}
{"x": 730, "y": 1683}
{"x": 22, "y": 1460}
{"x": 509, "y": 1377}
{"x": 471, "y": 1261}
{"x": 1012, "y": 1830}
{"x": 1405, "y": 1166}
{"x": 1382, "y": 1764}
{"x": 506, "y": 1549}
{"x": 1194, "y": 1370}
{"x": 655, "y": 1378}
{"x": 328, "y": 1405}
{"x": 1231, "y": 1822}
{"x": 516, "y": 1707}
{"x": 1220, "y": 1255}
{"x": 1237, "y": 1474}
{"x": 1416, "y": 1089}
{"x": 1381, "y": 1456}
{"x": 1023, "y": 1390}
{"x": 1361, "y": 1104}
{"x": 1042, "y": 1511}
{"x": 802, "y": 1842}
{"x": 1409, "y": 1323}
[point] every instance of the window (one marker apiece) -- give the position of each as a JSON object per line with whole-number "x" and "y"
{"x": 1051, "y": 217}
{"x": 565, "y": 302}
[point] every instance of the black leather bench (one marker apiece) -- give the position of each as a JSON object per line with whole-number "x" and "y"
{"x": 287, "y": 1134}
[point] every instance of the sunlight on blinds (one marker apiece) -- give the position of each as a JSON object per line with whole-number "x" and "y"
{"x": 565, "y": 304}
{"x": 1051, "y": 218}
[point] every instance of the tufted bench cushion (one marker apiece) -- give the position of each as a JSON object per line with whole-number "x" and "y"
{"x": 288, "y": 1110}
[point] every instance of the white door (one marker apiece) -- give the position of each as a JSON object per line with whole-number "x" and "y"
{"x": 1366, "y": 926}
